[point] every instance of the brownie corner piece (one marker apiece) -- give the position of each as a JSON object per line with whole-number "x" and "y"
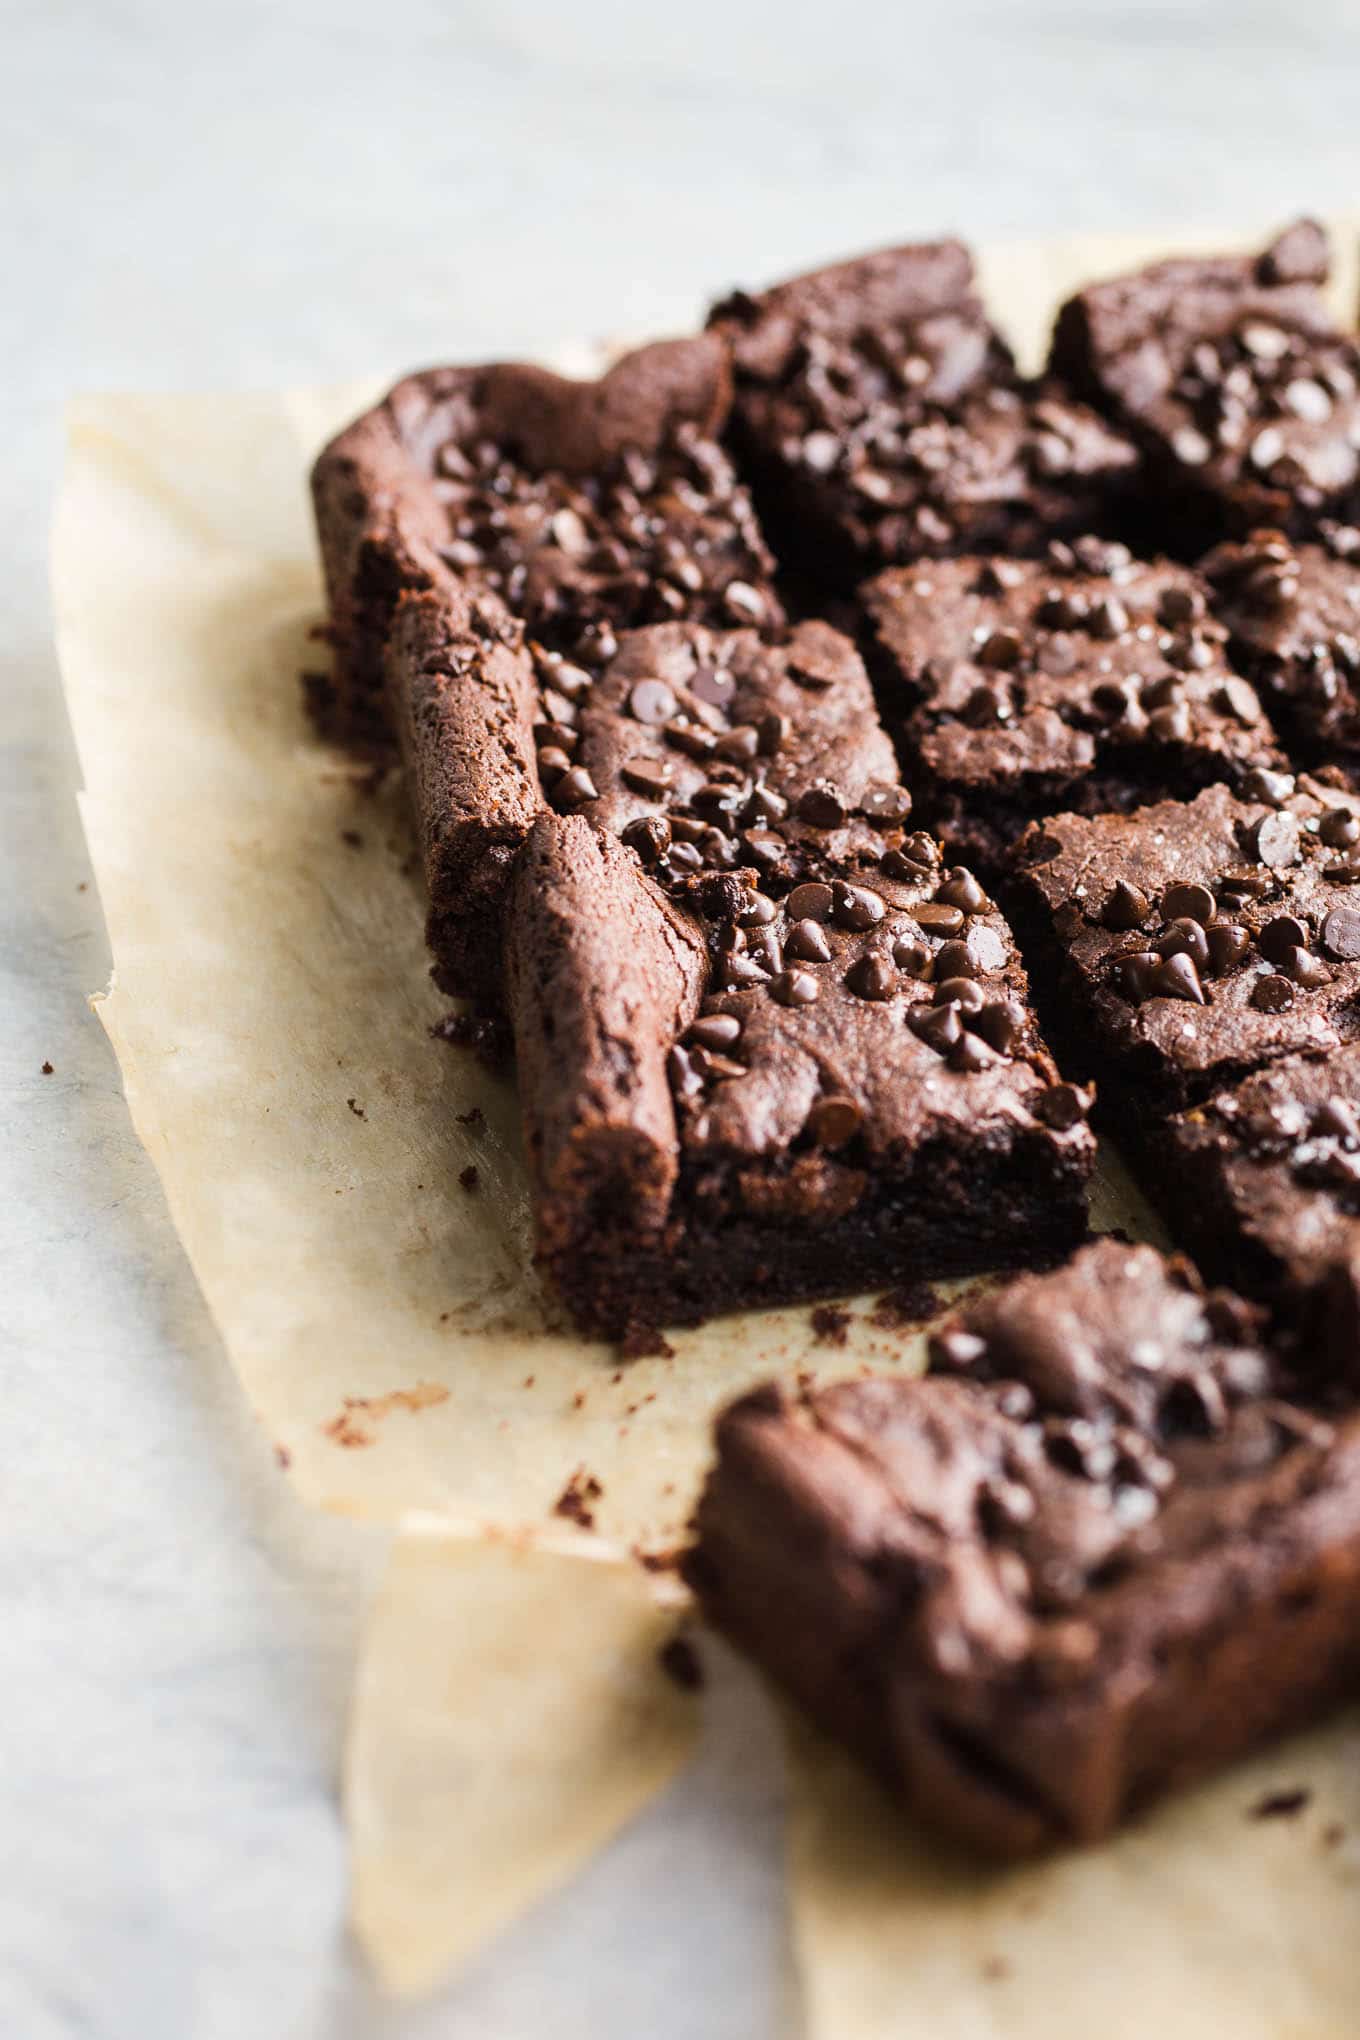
{"x": 1086, "y": 679}
{"x": 1234, "y": 378}
{"x": 1106, "y": 1545}
{"x": 881, "y": 417}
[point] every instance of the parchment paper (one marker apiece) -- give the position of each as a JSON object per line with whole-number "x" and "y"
{"x": 272, "y": 1016}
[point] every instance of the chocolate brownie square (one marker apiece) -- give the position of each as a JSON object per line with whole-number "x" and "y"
{"x": 1231, "y": 373}
{"x": 1108, "y": 1544}
{"x": 1262, "y": 1181}
{"x": 732, "y": 1098}
{"x": 1293, "y": 611}
{"x": 587, "y": 507}
{"x": 1188, "y": 944}
{"x": 882, "y": 419}
{"x": 1086, "y": 680}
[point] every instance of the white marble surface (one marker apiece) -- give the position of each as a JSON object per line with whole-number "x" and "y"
{"x": 247, "y": 194}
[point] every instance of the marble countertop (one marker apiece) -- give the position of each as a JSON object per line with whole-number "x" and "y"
{"x": 259, "y": 194}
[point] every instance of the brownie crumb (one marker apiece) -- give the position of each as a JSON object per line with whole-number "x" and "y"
{"x": 468, "y": 1178}
{"x": 680, "y": 1661}
{"x": 487, "y": 1037}
{"x": 283, "y": 1457}
{"x": 660, "y": 1561}
{"x": 474, "y": 1117}
{"x": 1281, "y": 1805}
{"x": 1333, "y": 1835}
{"x": 575, "y": 1500}
{"x": 645, "y": 1342}
{"x": 529, "y": 1380}
{"x": 898, "y": 1309}
{"x": 353, "y": 838}
{"x": 356, "y": 1108}
{"x": 996, "y": 1968}
{"x": 830, "y": 1325}
{"x": 47, "y": 1069}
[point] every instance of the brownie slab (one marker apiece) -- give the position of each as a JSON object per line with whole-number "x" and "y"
{"x": 882, "y": 419}
{"x": 857, "y": 1089}
{"x": 1087, "y": 680}
{"x": 1190, "y": 943}
{"x": 1234, "y": 378}
{"x": 588, "y": 507}
{"x": 1108, "y": 1544}
{"x": 1293, "y": 611}
{"x": 1262, "y": 1181}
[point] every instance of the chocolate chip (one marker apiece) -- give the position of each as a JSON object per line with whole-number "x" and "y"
{"x": 1188, "y": 902}
{"x": 772, "y": 732}
{"x": 915, "y": 958}
{"x": 794, "y": 988}
{"x": 1282, "y": 935}
{"x": 1339, "y": 828}
{"x": 1000, "y": 1022}
{"x": 812, "y": 902}
{"x": 1336, "y": 1116}
{"x": 970, "y": 1054}
{"x": 743, "y": 603}
{"x": 764, "y": 945}
{"x": 1277, "y": 840}
{"x": 713, "y": 685}
{"x": 738, "y": 746}
{"x": 1177, "y": 605}
{"x": 853, "y": 907}
{"x": 1171, "y": 725}
{"x": 1228, "y": 944}
{"x": 651, "y": 777}
{"x": 1185, "y": 938}
{"x": 1274, "y": 788}
{"x": 1176, "y": 978}
{"x": 552, "y": 763}
{"x": 1063, "y": 1106}
{"x": 963, "y": 992}
{"x": 765, "y": 850}
{"x": 738, "y": 970}
{"x": 938, "y": 1026}
{"x": 939, "y": 920}
{"x": 954, "y": 959}
{"x": 1235, "y": 698}
{"x": 764, "y": 805}
{"x": 1108, "y": 618}
{"x": 1190, "y": 446}
{"x": 1273, "y": 995}
{"x": 1001, "y": 648}
{"x": 885, "y": 803}
{"x": 872, "y": 977}
{"x": 650, "y": 836}
{"x": 1136, "y": 974}
{"x": 684, "y": 1077}
{"x": 1126, "y": 907}
{"x": 960, "y": 889}
{"x": 807, "y": 943}
{"x": 1306, "y": 970}
{"x": 953, "y": 1347}
{"x": 576, "y": 787}
{"x": 691, "y": 738}
{"x": 822, "y": 805}
{"x": 715, "y": 1030}
{"x": 834, "y": 1121}
{"x": 652, "y": 701}
{"x": 684, "y": 857}
{"x": 1341, "y": 934}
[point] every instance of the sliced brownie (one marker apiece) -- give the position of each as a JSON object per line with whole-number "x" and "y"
{"x": 1109, "y": 1543}
{"x": 1293, "y": 610}
{"x": 882, "y": 419}
{"x": 1087, "y": 680}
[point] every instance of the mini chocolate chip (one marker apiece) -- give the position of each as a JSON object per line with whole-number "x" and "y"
{"x": 1188, "y": 902}
{"x": 1285, "y": 933}
{"x": 684, "y": 857}
{"x": 971, "y": 1054}
{"x": 1000, "y": 1022}
{"x": 834, "y": 1121}
{"x": 822, "y": 805}
{"x": 652, "y": 701}
{"x": 1339, "y": 829}
{"x": 939, "y": 920}
{"x": 1228, "y": 944}
{"x": 1277, "y": 840}
{"x": 691, "y": 738}
{"x": 1185, "y": 938}
{"x": 650, "y": 836}
{"x": 713, "y": 685}
{"x": 1063, "y": 1106}
{"x": 651, "y": 777}
{"x": 1001, "y": 648}
{"x": 1177, "y": 605}
{"x": 954, "y": 959}
{"x": 552, "y": 763}
{"x": 915, "y": 958}
{"x": 853, "y": 907}
{"x": 885, "y": 803}
{"x": 1273, "y": 995}
{"x": 963, "y": 992}
{"x": 1126, "y": 907}
{"x": 576, "y": 787}
{"x": 764, "y": 805}
{"x": 1171, "y": 725}
{"x": 765, "y": 850}
{"x": 1341, "y": 934}
{"x": 806, "y": 942}
{"x": 961, "y": 889}
{"x": 757, "y": 910}
{"x": 794, "y": 988}
{"x": 1261, "y": 783}
{"x": 715, "y": 1030}
{"x": 1136, "y": 974}
{"x": 738, "y": 746}
{"x": 953, "y": 1347}
{"x": 1108, "y": 618}
{"x": 872, "y": 977}
{"x": 1306, "y": 970}
{"x": 812, "y": 902}
{"x": 772, "y": 732}
{"x": 1176, "y": 978}
{"x": 938, "y": 1026}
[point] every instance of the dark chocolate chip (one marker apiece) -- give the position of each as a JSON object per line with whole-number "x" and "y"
{"x": 772, "y": 733}
{"x": 812, "y": 902}
{"x": 915, "y": 958}
{"x": 552, "y": 763}
{"x": 852, "y": 906}
{"x": 961, "y": 889}
{"x": 1281, "y": 936}
{"x": 1001, "y": 648}
{"x": 743, "y": 603}
{"x": 872, "y": 977}
{"x": 939, "y": 920}
{"x": 1341, "y": 934}
{"x": 971, "y": 1054}
{"x": 1063, "y": 1106}
{"x": 684, "y": 1077}
{"x": 738, "y": 746}
{"x": 886, "y": 803}
{"x": 1263, "y": 784}
{"x": 576, "y": 787}
{"x": 713, "y": 685}
{"x": 1126, "y": 907}
{"x": 715, "y": 1030}
{"x": 1188, "y": 902}
{"x": 1000, "y": 1022}
{"x": 834, "y": 1121}
{"x": 651, "y": 777}
{"x": 1306, "y": 970}
{"x": 1277, "y": 840}
{"x": 963, "y": 992}
{"x": 652, "y": 701}
{"x": 1176, "y": 978}
{"x": 650, "y": 836}
{"x": 1185, "y": 938}
{"x": 822, "y": 805}
{"x": 1339, "y": 828}
{"x": 1273, "y": 995}
{"x": 938, "y": 1026}
{"x": 806, "y": 942}
{"x": 765, "y": 850}
{"x": 757, "y": 910}
{"x": 795, "y": 988}
{"x": 1228, "y": 944}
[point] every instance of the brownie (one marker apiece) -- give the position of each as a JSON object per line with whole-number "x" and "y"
{"x": 588, "y": 507}
{"x": 1231, "y": 373}
{"x": 1293, "y": 610}
{"x": 1087, "y": 680}
{"x": 1109, "y": 1543}
{"x": 1262, "y": 1181}
{"x": 1188, "y": 944}
{"x": 713, "y": 750}
{"x": 882, "y": 419}
{"x": 732, "y": 1099}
